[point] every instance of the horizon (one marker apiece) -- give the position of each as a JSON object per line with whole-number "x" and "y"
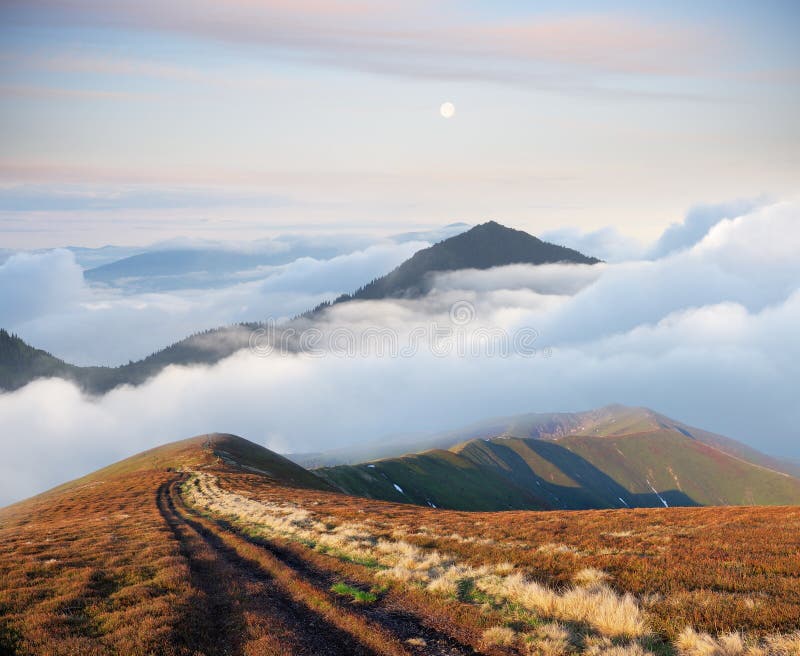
{"x": 170, "y": 168}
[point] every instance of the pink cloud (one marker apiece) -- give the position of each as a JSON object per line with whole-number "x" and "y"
{"x": 382, "y": 35}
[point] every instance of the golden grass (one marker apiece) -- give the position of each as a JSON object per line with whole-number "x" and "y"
{"x": 598, "y": 606}
{"x": 694, "y": 643}
{"x": 500, "y": 636}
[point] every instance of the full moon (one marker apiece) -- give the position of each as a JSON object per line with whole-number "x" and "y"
{"x": 447, "y": 110}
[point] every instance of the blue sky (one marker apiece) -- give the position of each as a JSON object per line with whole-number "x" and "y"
{"x": 132, "y": 122}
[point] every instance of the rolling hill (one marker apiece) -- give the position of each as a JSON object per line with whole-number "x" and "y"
{"x": 483, "y": 246}
{"x": 215, "y": 545}
{"x": 609, "y": 420}
{"x": 614, "y": 457}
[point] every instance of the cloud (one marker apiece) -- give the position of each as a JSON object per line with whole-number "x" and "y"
{"x": 697, "y": 223}
{"x": 610, "y": 245}
{"x": 555, "y": 279}
{"x": 707, "y": 335}
{"x": 33, "y": 285}
{"x": 607, "y": 243}
{"x": 556, "y": 51}
{"x": 44, "y": 298}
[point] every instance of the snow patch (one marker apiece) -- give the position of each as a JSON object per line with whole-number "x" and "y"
{"x": 398, "y": 488}
{"x": 623, "y": 501}
{"x": 666, "y": 505}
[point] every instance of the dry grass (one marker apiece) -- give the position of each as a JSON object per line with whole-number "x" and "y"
{"x": 590, "y": 577}
{"x": 598, "y": 606}
{"x": 715, "y": 569}
{"x": 499, "y": 636}
{"x": 694, "y": 643}
{"x": 607, "y": 612}
{"x": 95, "y": 569}
{"x": 618, "y": 574}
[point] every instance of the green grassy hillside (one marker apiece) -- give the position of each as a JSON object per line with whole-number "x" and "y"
{"x": 609, "y": 468}
{"x": 608, "y": 421}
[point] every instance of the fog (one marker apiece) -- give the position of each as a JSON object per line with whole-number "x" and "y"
{"x": 706, "y": 334}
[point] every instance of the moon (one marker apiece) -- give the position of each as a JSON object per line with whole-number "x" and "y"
{"x": 447, "y": 110}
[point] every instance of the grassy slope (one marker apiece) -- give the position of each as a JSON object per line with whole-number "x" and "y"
{"x": 601, "y": 470}
{"x": 609, "y": 421}
{"x": 121, "y": 565}
{"x": 442, "y": 478}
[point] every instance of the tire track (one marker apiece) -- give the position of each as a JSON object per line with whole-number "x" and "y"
{"x": 391, "y": 621}
{"x": 241, "y": 609}
{"x": 406, "y": 625}
{"x": 208, "y": 626}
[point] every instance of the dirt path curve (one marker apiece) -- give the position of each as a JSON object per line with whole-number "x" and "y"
{"x": 387, "y": 630}
{"x": 239, "y": 608}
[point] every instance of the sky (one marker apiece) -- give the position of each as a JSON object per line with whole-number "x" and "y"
{"x": 132, "y": 122}
{"x": 307, "y": 139}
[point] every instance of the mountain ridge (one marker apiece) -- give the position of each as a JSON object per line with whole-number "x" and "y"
{"x": 624, "y": 462}
{"x": 540, "y": 425}
{"x": 503, "y": 246}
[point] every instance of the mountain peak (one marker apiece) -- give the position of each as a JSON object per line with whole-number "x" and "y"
{"x": 484, "y": 246}
{"x": 492, "y": 227}
{"x": 494, "y": 224}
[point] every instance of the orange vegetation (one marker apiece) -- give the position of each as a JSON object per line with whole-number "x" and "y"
{"x": 219, "y": 561}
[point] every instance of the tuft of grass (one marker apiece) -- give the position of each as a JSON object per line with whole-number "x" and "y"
{"x": 499, "y": 636}
{"x": 358, "y": 595}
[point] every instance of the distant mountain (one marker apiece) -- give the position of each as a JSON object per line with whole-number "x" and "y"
{"x": 612, "y": 420}
{"x": 481, "y": 247}
{"x": 614, "y": 457}
{"x": 168, "y": 269}
{"x": 168, "y": 266}
{"x": 485, "y": 246}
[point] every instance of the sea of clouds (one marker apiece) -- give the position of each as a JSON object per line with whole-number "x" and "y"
{"x": 701, "y": 326}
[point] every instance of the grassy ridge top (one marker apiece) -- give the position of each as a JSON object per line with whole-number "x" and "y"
{"x": 214, "y": 450}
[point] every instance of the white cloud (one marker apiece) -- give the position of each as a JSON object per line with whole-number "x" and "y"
{"x": 544, "y": 279}
{"x": 608, "y": 243}
{"x": 43, "y": 297}
{"x": 32, "y": 285}
{"x": 707, "y": 335}
{"x": 697, "y": 224}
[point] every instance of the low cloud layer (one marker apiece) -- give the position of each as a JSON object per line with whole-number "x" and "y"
{"x": 706, "y": 335}
{"x": 45, "y": 299}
